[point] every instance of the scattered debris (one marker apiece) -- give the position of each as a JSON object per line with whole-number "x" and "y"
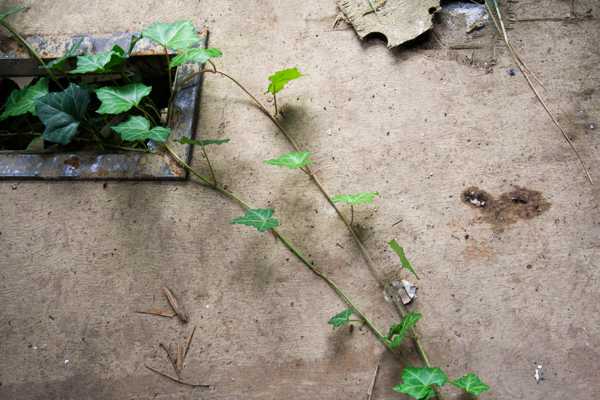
{"x": 475, "y": 14}
{"x": 399, "y": 21}
{"x": 511, "y": 71}
{"x": 176, "y": 304}
{"x": 370, "y": 392}
{"x": 406, "y": 291}
{"x": 537, "y": 373}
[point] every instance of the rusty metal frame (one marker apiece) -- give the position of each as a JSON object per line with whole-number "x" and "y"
{"x": 16, "y": 61}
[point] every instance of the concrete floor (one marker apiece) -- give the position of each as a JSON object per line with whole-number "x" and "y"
{"x": 498, "y": 297}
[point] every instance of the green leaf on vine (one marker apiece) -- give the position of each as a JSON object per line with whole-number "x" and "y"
{"x": 116, "y": 99}
{"x": 59, "y": 62}
{"x": 22, "y": 101}
{"x": 354, "y": 199}
{"x": 258, "y": 218}
{"x": 341, "y": 318}
{"x": 178, "y": 35}
{"x": 138, "y": 128}
{"x": 291, "y": 160}
{"x": 400, "y": 251}
{"x": 281, "y": 78}
{"x": 199, "y": 55}
{"x": 13, "y": 11}
{"x": 62, "y": 113}
{"x": 417, "y": 381}
{"x": 96, "y": 63}
{"x": 471, "y": 384}
{"x": 185, "y": 140}
{"x": 399, "y": 330}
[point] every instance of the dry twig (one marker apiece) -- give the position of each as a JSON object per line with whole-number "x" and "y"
{"x": 158, "y": 311}
{"x": 370, "y": 392}
{"x": 175, "y": 379}
{"x": 187, "y": 346}
{"x": 171, "y": 359}
{"x": 176, "y": 304}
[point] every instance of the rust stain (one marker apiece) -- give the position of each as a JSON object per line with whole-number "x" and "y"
{"x": 519, "y": 203}
{"x": 73, "y": 162}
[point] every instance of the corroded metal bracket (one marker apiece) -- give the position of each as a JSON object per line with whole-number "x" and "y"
{"x": 16, "y": 61}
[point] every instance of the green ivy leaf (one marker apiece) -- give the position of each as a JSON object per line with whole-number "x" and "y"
{"x": 354, "y": 199}
{"x": 117, "y": 58}
{"x": 25, "y": 100}
{"x": 281, "y": 78}
{"x": 471, "y": 384}
{"x": 116, "y": 100}
{"x": 199, "y": 55}
{"x": 400, "y": 251}
{"x": 177, "y": 35}
{"x": 59, "y": 62}
{"x": 258, "y": 218}
{"x": 341, "y": 318}
{"x": 32, "y": 143}
{"x": 62, "y": 113}
{"x": 400, "y": 329}
{"x": 291, "y": 160}
{"x": 138, "y": 128}
{"x": 417, "y": 381}
{"x": 13, "y": 11}
{"x": 94, "y": 62}
{"x": 185, "y": 140}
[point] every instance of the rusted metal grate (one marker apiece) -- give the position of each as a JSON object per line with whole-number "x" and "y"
{"x": 16, "y": 61}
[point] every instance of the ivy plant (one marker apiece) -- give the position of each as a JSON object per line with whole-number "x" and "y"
{"x": 66, "y": 117}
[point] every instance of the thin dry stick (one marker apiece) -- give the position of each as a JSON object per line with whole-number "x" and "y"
{"x": 171, "y": 359}
{"x": 176, "y": 304}
{"x": 175, "y": 379}
{"x": 157, "y": 311}
{"x": 187, "y": 346}
{"x": 512, "y": 51}
{"x": 370, "y": 392}
{"x": 179, "y": 358}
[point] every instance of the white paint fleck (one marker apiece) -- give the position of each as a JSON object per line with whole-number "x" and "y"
{"x": 66, "y": 361}
{"x": 537, "y": 375}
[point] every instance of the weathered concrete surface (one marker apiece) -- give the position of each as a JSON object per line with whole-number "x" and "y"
{"x": 77, "y": 259}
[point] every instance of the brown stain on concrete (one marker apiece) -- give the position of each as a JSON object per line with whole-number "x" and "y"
{"x": 508, "y": 208}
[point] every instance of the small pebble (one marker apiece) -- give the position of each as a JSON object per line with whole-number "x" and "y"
{"x": 14, "y": 187}
{"x": 458, "y": 309}
{"x": 591, "y": 126}
{"x": 66, "y": 361}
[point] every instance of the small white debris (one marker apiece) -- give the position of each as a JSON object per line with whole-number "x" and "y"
{"x": 329, "y": 131}
{"x": 431, "y": 174}
{"x": 66, "y": 361}
{"x": 401, "y": 200}
{"x": 35, "y": 348}
{"x": 423, "y": 134}
{"x": 539, "y": 367}
{"x": 537, "y": 375}
{"x": 591, "y": 126}
{"x": 207, "y": 306}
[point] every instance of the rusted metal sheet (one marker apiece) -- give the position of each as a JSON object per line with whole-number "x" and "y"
{"x": 102, "y": 166}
